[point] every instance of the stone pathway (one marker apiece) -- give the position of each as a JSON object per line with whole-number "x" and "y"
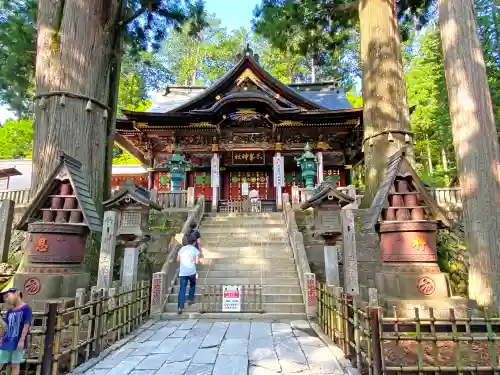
{"x": 201, "y": 347}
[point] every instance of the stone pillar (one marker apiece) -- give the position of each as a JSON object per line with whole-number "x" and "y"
{"x": 331, "y": 265}
{"x": 286, "y": 200}
{"x": 319, "y": 172}
{"x": 295, "y": 195}
{"x": 6, "y": 217}
{"x": 190, "y": 197}
{"x": 351, "y": 281}
{"x": 351, "y": 192}
{"x": 130, "y": 264}
{"x": 158, "y": 288}
{"x": 215, "y": 180}
{"x": 107, "y": 253}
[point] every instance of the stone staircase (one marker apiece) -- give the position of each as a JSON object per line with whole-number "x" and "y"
{"x": 242, "y": 249}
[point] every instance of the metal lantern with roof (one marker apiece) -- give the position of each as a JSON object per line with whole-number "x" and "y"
{"x": 307, "y": 163}
{"x": 177, "y": 167}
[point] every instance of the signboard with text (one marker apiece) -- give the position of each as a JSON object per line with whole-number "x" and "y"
{"x": 231, "y": 298}
{"x": 249, "y": 157}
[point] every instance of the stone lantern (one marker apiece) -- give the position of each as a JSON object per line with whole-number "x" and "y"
{"x": 133, "y": 206}
{"x": 58, "y": 222}
{"x": 307, "y": 163}
{"x": 177, "y": 167}
{"x": 327, "y": 203}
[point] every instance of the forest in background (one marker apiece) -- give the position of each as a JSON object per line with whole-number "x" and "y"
{"x": 203, "y": 57}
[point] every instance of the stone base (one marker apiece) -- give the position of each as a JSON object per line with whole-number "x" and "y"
{"x": 412, "y": 281}
{"x": 405, "y": 308}
{"x": 45, "y": 286}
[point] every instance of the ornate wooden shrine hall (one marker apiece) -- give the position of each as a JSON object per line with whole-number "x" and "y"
{"x": 243, "y": 132}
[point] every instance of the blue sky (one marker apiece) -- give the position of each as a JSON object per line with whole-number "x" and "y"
{"x": 233, "y": 14}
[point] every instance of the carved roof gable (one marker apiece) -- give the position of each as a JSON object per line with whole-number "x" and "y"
{"x": 326, "y": 191}
{"x": 128, "y": 194}
{"x": 399, "y": 167}
{"x": 69, "y": 170}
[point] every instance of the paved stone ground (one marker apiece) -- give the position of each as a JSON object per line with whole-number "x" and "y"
{"x": 201, "y": 347}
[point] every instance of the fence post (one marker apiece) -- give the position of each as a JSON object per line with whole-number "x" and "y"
{"x": 349, "y": 327}
{"x": 49, "y": 339}
{"x": 374, "y": 313}
{"x": 97, "y": 324}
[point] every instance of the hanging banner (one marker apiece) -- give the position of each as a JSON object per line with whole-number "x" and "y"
{"x": 215, "y": 175}
{"x": 278, "y": 170}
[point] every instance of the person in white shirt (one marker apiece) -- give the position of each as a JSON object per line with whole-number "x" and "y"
{"x": 187, "y": 257}
{"x": 254, "y": 199}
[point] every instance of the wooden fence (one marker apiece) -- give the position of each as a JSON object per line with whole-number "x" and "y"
{"x": 68, "y": 333}
{"x": 172, "y": 199}
{"x": 378, "y": 343}
{"x": 212, "y": 298}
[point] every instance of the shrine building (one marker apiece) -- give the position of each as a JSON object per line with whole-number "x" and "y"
{"x": 243, "y": 133}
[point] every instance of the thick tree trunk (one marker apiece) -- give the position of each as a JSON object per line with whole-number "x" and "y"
{"x": 476, "y": 145}
{"x": 74, "y": 55}
{"x": 429, "y": 158}
{"x": 384, "y": 92}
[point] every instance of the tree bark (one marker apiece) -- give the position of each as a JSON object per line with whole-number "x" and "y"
{"x": 74, "y": 54}
{"x": 476, "y": 145}
{"x": 384, "y": 91}
{"x": 429, "y": 158}
{"x": 444, "y": 159}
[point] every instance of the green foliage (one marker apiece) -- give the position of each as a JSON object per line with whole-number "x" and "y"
{"x": 355, "y": 99}
{"x": 453, "y": 258}
{"x": 17, "y": 54}
{"x": 430, "y": 118}
{"x": 16, "y": 139}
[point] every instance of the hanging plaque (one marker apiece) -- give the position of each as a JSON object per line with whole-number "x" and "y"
{"x": 249, "y": 158}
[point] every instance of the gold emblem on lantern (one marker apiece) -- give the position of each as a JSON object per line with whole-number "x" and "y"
{"x": 42, "y": 245}
{"x": 419, "y": 243}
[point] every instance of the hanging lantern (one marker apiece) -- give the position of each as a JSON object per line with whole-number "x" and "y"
{"x": 42, "y": 103}
{"x": 88, "y": 108}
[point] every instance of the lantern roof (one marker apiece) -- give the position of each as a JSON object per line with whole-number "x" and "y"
{"x": 399, "y": 167}
{"x": 71, "y": 170}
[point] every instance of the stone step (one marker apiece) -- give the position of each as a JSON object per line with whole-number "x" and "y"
{"x": 266, "y": 298}
{"x": 234, "y": 231}
{"x": 260, "y": 215}
{"x": 253, "y": 224}
{"x": 295, "y": 308}
{"x": 247, "y": 273}
{"x": 266, "y": 289}
{"x": 246, "y": 280}
{"x": 214, "y": 254}
{"x": 247, "y": 267}
{"x": 268, "y": 317}
{"x": 244, "y": 247}
{"x": 276, "y": 262}
{"x": 248, "y": 237}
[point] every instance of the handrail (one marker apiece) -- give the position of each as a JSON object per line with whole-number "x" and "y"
{"x": 299, "y": 252}
{"x": 170, "y": 268}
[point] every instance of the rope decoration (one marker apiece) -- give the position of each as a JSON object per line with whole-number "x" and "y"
{"x": 42, "y": 100}
{"x": 408, "y": 137}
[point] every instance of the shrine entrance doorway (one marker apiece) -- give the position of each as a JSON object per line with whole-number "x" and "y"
{"x": 242, "y": 182}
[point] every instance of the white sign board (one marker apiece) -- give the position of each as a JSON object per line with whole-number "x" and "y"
{"x": 231, "y": 298}
{"x": 244, "y": 188}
